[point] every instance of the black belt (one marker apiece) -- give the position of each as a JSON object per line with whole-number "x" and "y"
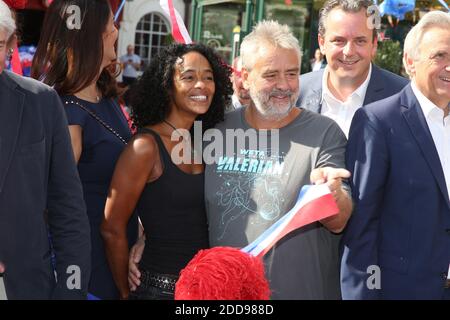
{"x": 162, "y": 281}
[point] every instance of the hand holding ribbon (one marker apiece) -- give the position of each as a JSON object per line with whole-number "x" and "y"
{"x": 314, "y": 203}
{"x": 332, "y": 177}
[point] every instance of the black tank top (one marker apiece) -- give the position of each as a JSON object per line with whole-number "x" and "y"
{"x": 172, "y": 211}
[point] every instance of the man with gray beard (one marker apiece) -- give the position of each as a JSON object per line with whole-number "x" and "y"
{"x": 252, "y": 186}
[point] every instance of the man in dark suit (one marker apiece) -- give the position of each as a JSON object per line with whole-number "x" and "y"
{"x": 397, "y": 242}
{"x": 40, "y": 191}
{"x": 350, "y": 80}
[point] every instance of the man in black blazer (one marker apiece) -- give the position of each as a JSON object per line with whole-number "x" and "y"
{"x": 350, "y": 80}
{"x": 40, "y": 191}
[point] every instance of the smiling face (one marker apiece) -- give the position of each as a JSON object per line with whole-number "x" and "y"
{"x": 273, "y": 82}
{"x": 431, "y": 69}
{"x": 349, "y": 45}
{"x": 194, "y": 85}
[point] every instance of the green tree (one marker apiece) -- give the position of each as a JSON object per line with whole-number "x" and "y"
{"x": 389, "y": 56}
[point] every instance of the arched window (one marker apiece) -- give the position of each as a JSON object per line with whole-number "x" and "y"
{"x": 152, "y": 34}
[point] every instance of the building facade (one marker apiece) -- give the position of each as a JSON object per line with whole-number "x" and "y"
{"x": 145, "y": 25}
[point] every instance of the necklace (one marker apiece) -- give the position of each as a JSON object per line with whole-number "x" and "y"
{"x": 172, "y": 126}
{"x": 85, "y": 96}
{"x": 193, "y": 152}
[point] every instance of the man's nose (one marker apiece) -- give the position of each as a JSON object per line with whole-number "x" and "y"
{"x": 283, "y": 83}
{"x": 349, "y": 49}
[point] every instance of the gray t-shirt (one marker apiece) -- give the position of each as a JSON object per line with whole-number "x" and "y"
{"x": 247, "y": 193}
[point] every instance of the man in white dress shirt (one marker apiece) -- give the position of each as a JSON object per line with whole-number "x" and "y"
{"x": 131, "y": 63}
{"x": 350, "y": 80}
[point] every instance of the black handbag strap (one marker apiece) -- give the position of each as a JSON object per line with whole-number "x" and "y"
{"x": 96, "y": 117}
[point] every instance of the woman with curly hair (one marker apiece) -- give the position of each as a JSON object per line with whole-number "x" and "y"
{"x": 183, "y": 84}
{"x": 75, "y": 60}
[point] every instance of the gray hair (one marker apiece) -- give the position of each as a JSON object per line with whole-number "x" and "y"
{"x": 353, "y": 6}
{"x": 7, "y": 22}
{"x": 414, "y": 37}
{"x": 267, "y": 33}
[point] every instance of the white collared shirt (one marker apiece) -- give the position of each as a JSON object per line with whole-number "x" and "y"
{"x": 343, "y": 111}
{"x": 439, "y": 128}
{"x": 235, "y": 101}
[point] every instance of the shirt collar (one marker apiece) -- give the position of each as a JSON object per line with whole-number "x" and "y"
{"x": 360, "y": 92}
{"x": 429, "y": 109}
{"x": 235, "y": 101}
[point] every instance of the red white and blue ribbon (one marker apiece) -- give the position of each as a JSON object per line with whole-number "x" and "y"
{"x": 179, "y": 31}
{"x": 314, "y": 203}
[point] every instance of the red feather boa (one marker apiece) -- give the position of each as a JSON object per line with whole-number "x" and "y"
{"x": 223, "y": 273}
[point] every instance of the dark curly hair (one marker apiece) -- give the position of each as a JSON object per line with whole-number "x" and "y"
{"x": 150, "y": 95}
